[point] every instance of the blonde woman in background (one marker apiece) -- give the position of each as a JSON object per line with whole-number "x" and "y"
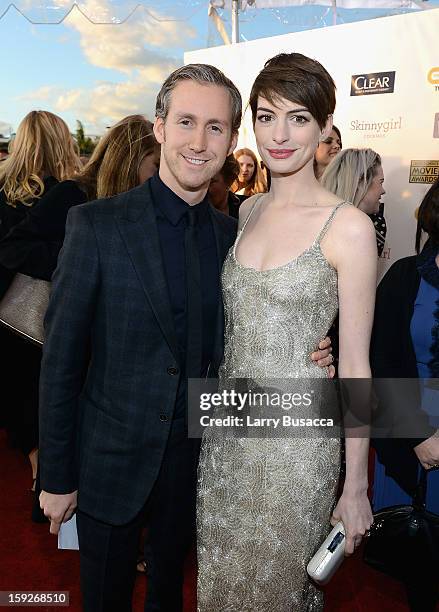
{"x": 356, "y": 175}
{"x": 251, "y": 178}
{"x": 326, "y": 151}
{"x": 42, "y": 153}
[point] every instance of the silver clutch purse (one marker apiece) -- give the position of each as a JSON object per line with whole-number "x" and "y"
{"x": 329, "y": 557}
{"x": 24, "y": 305}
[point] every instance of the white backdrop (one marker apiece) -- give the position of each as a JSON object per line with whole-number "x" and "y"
{"x": 402, "y": 126}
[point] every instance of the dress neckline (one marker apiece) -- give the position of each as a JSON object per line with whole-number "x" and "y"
{"x": 315, "y": 245}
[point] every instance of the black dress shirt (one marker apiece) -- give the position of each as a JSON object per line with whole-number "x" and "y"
{"x": 171, "y": 223}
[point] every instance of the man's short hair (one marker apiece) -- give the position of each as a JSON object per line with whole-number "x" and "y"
{"x": 205, "y": 75}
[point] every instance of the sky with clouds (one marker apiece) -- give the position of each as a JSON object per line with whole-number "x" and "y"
{"x": 100, "y": 73}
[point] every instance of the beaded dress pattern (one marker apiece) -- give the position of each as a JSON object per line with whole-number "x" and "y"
{"x": 264, "y": 505}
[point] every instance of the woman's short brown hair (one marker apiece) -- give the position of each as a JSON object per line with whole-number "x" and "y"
{"x": 299, "y": 79}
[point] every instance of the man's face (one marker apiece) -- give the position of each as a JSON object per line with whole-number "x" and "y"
{"x": 196, "y": 138}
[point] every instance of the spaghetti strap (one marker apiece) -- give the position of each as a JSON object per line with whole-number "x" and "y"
{"x": 328, "y": 222}
{"x": 251, "y": 211}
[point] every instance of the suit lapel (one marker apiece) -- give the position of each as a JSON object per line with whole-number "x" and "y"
{"x": 138, "y": 227}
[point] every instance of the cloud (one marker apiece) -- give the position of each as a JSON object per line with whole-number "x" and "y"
{"x": 46, "y": 92}
{"x": 133, "y": 49}
{"x": 108, "y": 102}
{"x": 5, "y": 128}
{"x": 126, "y": 47}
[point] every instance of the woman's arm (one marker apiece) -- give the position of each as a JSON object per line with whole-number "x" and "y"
{"x": 354, "y": 251}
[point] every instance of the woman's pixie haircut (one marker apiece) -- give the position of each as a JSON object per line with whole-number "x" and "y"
{"x": 299, "y": 79}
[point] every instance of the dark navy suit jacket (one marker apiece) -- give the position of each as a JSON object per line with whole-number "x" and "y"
{"x": 110, "y": 368}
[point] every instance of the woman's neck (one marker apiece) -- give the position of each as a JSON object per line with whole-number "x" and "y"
{"x": 319, "y": 170}
{"x": 299, "y": 187}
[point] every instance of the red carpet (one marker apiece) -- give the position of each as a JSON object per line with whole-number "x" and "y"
{"x": 29, "y": 559}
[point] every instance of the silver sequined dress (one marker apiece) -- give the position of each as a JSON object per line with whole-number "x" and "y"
{"x": 264, "y": 505}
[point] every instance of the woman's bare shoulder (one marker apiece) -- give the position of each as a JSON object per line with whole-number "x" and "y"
{"x": 246, "y": 208}
{"x": 352, "y": 225}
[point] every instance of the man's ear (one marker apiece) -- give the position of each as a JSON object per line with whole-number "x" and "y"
{"x": 328, "y": 127}
{"x": 233, "y": 143}
{"x": 159, "y": 130}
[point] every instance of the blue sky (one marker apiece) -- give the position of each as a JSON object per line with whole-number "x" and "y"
{"x": 100, "y": 73}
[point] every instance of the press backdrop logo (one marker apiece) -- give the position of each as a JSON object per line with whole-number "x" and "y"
{"x": 436, "y": 126}
{"x": 433, "y": 77}
{"x": 372, "y": 83}
{"x": 424, "y": 171}
{"x": 376, "y": 129}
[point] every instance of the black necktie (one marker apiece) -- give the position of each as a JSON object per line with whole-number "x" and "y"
{"x": 193, "y": 299}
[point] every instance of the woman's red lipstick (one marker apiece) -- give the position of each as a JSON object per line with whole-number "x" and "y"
{"x": 280, "y": 153}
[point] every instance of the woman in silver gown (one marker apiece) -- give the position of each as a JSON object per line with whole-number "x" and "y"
{"x": 301, "y": 255}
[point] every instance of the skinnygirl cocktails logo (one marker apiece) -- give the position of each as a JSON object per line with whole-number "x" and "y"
{"x": 376, "y": 129}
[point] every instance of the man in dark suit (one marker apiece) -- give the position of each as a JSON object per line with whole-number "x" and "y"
{"x": 135, "y": 310}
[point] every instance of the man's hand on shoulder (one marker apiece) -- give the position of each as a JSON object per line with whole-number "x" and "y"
{"x": 58, "y": 508}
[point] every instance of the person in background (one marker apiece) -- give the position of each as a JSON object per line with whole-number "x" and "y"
{"x": 405, "y": 344}
{"x": 357, "y": 175}
{"x": 3, "y": 151}
{"x": 326, "y": 151}
{"x": 126, "y": 156}
{"x": 219, "y": 193}
{"x": 42, "y": 153}
{"x": 251, "y": 179}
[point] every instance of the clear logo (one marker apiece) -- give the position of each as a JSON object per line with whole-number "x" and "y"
{"x": 372, "y": 83}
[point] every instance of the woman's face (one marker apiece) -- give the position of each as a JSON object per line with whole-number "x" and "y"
{"x": 328, "y": 149}
{"x": 246, "y": 169}
{"x": 148, "y": 167}
{"x": 370, "y": 204}
{"x": 287, "y": 135}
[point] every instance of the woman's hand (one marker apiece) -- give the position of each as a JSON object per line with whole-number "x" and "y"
{"x": 354, "y": 511}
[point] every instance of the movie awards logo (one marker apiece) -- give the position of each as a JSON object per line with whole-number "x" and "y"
{"x": 372, "y": 83}
{"x": 376, "y": 129}
{"x": 433, "y": 77}
{"x": 436, "y": 126}
{"x": 424, "y": 171}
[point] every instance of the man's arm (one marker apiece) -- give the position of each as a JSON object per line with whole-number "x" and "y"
{"x": 65, "y": 359}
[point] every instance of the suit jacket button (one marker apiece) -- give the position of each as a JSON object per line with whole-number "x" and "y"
{"x": 172, "y": 371}
{"x": 163, "y": 418}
